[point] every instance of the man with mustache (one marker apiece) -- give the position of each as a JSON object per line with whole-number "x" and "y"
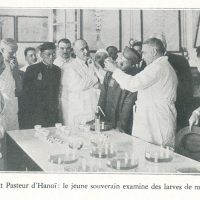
{"x": 64, "y": 51}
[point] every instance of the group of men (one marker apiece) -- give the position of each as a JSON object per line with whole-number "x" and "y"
{"x": 68, "y": 90}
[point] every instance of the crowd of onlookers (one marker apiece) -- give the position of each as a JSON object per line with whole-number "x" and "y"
{"x": 144, "y": 90}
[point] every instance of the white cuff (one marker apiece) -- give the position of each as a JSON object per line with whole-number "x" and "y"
{"x": 197, "y": 112}
{"x": 116, "y": 73}
{"x": 118, "y": 76}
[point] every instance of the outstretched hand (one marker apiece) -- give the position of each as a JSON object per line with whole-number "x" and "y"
{"x": 14, "y": 64}
{"x": 110, "y": 65}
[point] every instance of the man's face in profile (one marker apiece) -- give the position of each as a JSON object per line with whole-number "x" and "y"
{"x": 81, "y": 50}
{"x": 124, "y": 63}
{"x": 9, "y": 53}
{"x": 147, "y": 53}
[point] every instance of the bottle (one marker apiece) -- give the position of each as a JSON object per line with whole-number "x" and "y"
{"x": 97, "y": 121}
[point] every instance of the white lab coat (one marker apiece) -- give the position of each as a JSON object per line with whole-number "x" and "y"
{"x": 155, "y": 117}
{"x": 2, "y": 133}
{"x": 79, "y": 98}
{"x": 60, "y": 62}
{"x": 7, "y": 87}
{"x": 2, "y": 117}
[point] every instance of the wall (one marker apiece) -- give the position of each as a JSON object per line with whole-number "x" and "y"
{"x": 24, "y": 12}
{"x": 189, "y": 22}
{"x": 62, "y": 23}
{"x": 131, "y": 26}
{"x": 66, "y": 24}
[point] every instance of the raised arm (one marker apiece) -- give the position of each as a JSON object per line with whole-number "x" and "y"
{"x": 140, "y": 81}
{"x": 75, "y": 82}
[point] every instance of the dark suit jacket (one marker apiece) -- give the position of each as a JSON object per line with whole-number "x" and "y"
{"x": 184, "y": 89}
{"x": 41, "y": 90}
{"x": 117, "y": 104}
{"x": 21, "y": 103}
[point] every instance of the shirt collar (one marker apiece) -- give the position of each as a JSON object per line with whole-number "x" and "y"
{"x": 82, "y": 62}
{"x": 48, "y": 66}
{"x": 60, "y": 59}
{"x": 160, "y": 59}
{"x": 24, "y": 67}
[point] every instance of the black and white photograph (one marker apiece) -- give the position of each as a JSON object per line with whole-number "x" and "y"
{"x": 100, "y": 90}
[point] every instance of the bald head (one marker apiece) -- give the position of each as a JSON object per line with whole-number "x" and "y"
{"x": 81, "y": 49}
{"x": 8, "y": 48}
{"x": 157, "y": 44}
{"x": 161, "y": 37}
{"x": 100, "y": 56}
{"x": 152, "y": 49}
{"x": 8, "y": 42}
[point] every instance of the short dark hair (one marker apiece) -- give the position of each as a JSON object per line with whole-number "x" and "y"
{"x": 157, "y": 43}
{"x": 28, "y": 49}
{"x": 198, "y": 51}
{"x": 46, "y": 46}
{"x": 112, "y": 47}
{"x": 132, "y": 55}
{"x": 64, "y": 40}
{"x": 38, "y": 48}
{"x": 137, "y": 54}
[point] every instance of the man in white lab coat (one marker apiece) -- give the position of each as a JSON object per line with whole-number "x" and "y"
{"x": 2, "y": 133}
{"x": 64, "y": 53}
{"x": 78, "y": 94}
{"x": 10, "y": 82}
{"x": 155, "y": 117}
{"x": 2, "y": 117}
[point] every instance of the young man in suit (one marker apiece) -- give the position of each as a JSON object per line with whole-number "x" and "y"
{"x": 30, "y": 57}
{"x": 41, "y": 88}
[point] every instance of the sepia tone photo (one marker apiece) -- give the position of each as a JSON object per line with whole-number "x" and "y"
{"x": 100, "y": 90}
